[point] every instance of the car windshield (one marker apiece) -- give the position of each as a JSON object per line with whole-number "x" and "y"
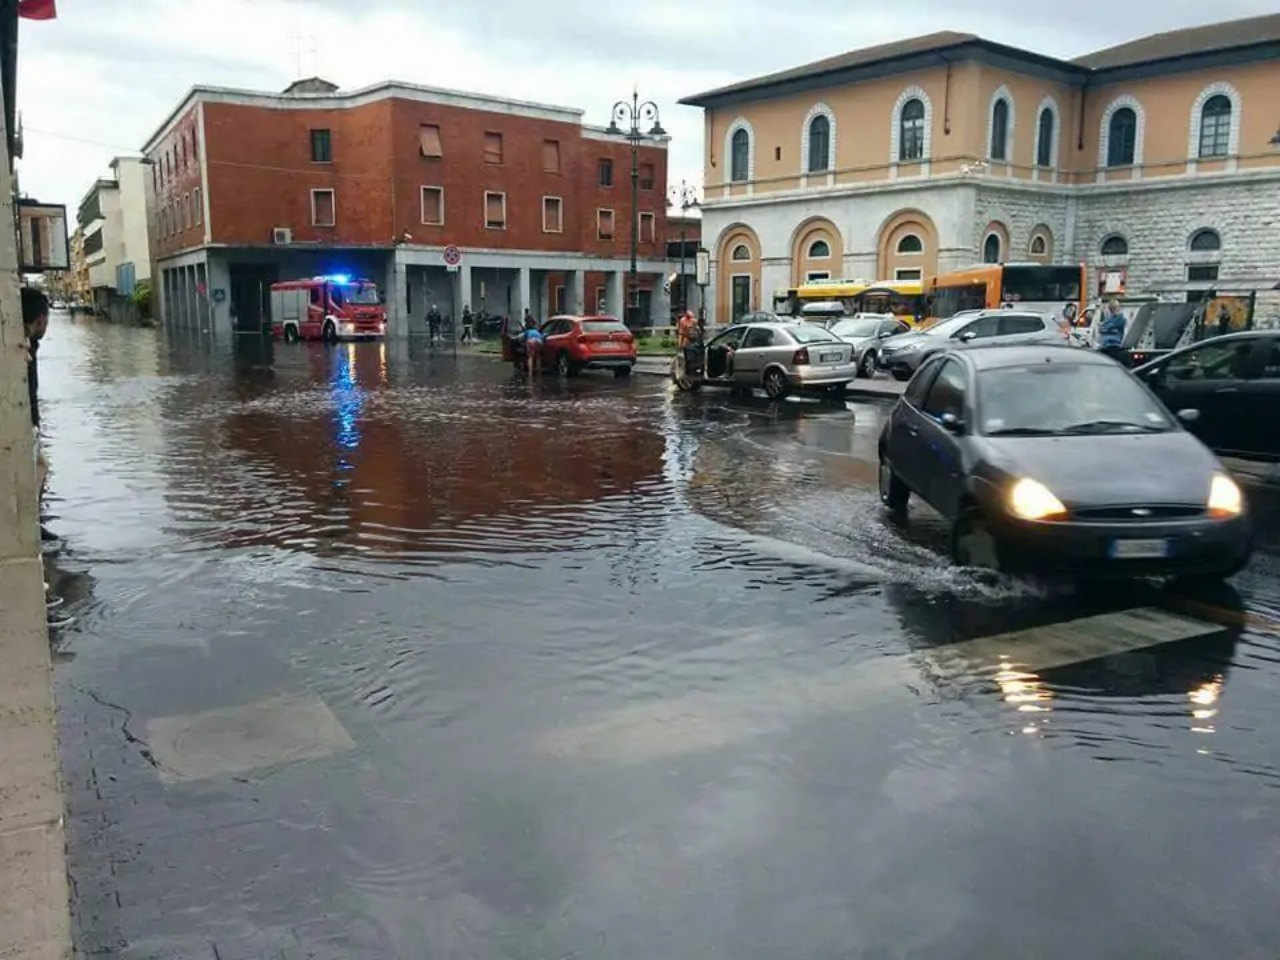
{"x": 603, "y": 326}
{"x": 1063, "y": 398}
{"x": 809, "y": 333}
{"x": 365, "y": 294}
{"x": 856, "y": 328}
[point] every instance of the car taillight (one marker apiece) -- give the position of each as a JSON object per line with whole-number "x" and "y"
{"x": 801, "y": 357}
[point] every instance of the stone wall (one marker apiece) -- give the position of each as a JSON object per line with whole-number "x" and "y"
{"x": 1021, "y": 212}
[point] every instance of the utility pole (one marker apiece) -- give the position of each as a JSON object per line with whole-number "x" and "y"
{"x": 685, "y": 198}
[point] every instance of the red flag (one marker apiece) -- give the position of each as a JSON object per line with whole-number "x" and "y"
{"x": 37, "y": 9}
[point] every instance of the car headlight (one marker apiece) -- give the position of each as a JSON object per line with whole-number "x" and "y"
{"x": 1225, "y": 498}
{"x": 1031, "y": 500}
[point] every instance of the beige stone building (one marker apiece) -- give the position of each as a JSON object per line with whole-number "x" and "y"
{"x": 1156, "y": 162}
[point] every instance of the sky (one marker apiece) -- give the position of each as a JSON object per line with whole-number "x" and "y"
{"x": 99, "y": 80}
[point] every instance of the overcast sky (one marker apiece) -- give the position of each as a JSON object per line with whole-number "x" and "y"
{"x": 96, "y": 82}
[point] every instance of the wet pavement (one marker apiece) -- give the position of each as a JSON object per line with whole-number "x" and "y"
{"x": 385, "y": 654}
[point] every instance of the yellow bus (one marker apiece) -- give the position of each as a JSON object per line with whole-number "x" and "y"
{"x": 1043, "y": 288}
{"x": 902, "y": 298}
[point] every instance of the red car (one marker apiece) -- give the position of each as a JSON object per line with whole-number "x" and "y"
{"x": 572, "y": 344}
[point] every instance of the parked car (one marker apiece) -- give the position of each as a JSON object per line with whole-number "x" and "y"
{"x": 865, "y": 332}
{"x": 573, "y": 344}
{"x": 1053, "y": 459}
{"x": 1225, "y": 390}
{"x": 902, "y": 355}
{"x": 779, "y": 357}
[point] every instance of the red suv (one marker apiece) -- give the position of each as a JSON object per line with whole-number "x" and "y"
{"x": 581, "y": 343}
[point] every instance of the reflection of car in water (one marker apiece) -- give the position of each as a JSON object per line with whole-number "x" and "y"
{"x": 780, "y": 357}
{"x": 1056, "y": 459}
{"x": 1226, "y": 391}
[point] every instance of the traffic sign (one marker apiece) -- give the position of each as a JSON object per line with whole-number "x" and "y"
{"x": 452, "y": 255}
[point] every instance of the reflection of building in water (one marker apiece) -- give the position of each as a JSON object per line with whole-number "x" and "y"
{"x": 349, "y": 458}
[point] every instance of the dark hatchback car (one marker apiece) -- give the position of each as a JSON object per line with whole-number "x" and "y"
{"x": 1057, "y": 460}
{"x": 1226, "y": 391}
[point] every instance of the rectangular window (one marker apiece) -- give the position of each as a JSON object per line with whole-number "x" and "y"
{"x": 198, "y": 199}
{"x": 155, "y": 178}
{"x": 321, "y": 147}
{"x": 815, "y": 276}
{"x": 602, "y": 302}
{"x": 551, "y": 156}
{"x": 908, "y": 273}
{"x": 429, "y": 140}
{"x": 1202, "y": 273}
{"x": 492, "y": 147}
{"x": 604, "y": 224}
{"x": 323, "y": 208}
{"x": 647, "y": 221}
{"x": 552, "y": 215}
{"x": 433, "y": 206}
{"x": 646, "y": 176}
{"x": 557, "y": 298}
{"x": 186, "y": 211}
{"x": 495, "y": 210}
{"x": 605, "y": 172}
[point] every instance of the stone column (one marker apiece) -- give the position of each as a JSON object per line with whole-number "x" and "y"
{"x": 574, "y": 295}
{"x": 613, "y": 293}
{"x": 397, "y": 296}
{"x": 545, "y": 306}
{"x": 521, "y": 301}
{"x": 462, "y": 288}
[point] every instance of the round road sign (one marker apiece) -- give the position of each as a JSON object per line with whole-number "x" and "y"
{"x": 452, "y": 255}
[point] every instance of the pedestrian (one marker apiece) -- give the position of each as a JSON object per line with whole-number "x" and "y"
{"x": 433, "y": 322}
{"x": 467, "y": 323}
{"x": 1111, "y": 331}
{"x": 686, "y": 333}
{"x": 532, "y": 344}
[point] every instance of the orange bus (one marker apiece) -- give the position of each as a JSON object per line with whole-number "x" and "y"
{"x": 1043, "y": 288}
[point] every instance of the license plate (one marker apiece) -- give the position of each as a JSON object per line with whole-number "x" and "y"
{"x": 1139, "y": 549}
{"x": 829, "y": 357}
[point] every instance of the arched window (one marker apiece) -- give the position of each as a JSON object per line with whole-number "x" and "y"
{"x": 739, "y": 162}
{"x": 740, "y": 253}
{"x": 1000, "y": 130}
{"x": 1039, "y": 247}
{"x": 1206, "y": 241}
{"x": 819, "y": 144}
{"x": 1122, "y": 138}
{"x": 1115, "y": 246}
{"x": 1215, "y": 127}
{"x": 911, "y": 130}
{"x": 991, "y": 249}
{"x": 910, "y": 244}
{"x": 1044, "y": 139}
{"x": 819, "y": 250}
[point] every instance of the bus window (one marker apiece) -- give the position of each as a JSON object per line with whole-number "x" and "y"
{"x": 1041, "y": 284}
{"x": 948, "y": 301}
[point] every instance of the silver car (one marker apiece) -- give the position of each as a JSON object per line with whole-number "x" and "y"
{"x": 903, "y": 354}
{"x": 779, "y": 357}
{"x": 865, "y": 332}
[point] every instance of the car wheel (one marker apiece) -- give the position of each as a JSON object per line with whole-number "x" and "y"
{"x": 973, "y": 544}
{"x": 680, "y": 377}
{"x": 330, "y": 333}
{"x": 867, "y": 367}
{"x": 622, "y": 372}
{"x": 894, "y": 494}
{"x": 291, "y": 334}
{"x": 775, "y": 384}
{"x": 564, "y": 366}
{"x": 902, "y": 374}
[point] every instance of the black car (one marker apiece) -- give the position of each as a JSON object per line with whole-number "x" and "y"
{"x": 1225, "y": 390}
{"x": 1054, "y": 459}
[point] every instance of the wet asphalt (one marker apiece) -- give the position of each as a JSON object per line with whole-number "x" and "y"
{"x": 382, "y": 652}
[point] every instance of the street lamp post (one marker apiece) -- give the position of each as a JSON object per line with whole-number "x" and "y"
{"x": 625, "y": 122}
{"x": 684, "y": 197}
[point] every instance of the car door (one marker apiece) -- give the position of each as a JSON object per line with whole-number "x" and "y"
{"x": 982, "y": 328}
{"x": 1259, "y": 434}
{"x": 555, "y": 334}
{"x": 750, "y": 358}
{"x": 943, "y": 480}
{"x": 904, "y": 439}
{"x": 1202, "y": 385}
{"x": 1021, "y": 328}
{"x": 719, "y": 349}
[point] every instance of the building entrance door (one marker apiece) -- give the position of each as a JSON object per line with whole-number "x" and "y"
{"x": 741, "y": 296}
{"x": 251, "y": 297}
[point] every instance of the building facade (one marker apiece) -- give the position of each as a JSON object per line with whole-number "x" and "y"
{"x": 1156, "y": 163}
{"x": 248, "y": 188}
{"x": 114, "y": 239}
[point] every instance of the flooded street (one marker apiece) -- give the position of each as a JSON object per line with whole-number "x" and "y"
{"x": 385, "y": 654}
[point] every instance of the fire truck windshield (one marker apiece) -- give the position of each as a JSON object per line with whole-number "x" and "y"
{"x": 362, "y": 294}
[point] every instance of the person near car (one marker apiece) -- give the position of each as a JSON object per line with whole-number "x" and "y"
{"x": 532, "y": 344}
{"x": 1111, "y": 330}
{"x": 434, "y": 319}
{"x": 468, "y": 322}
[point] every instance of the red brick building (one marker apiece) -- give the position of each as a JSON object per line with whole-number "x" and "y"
{"x": 249, "y": 188}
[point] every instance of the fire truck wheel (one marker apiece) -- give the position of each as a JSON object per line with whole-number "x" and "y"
{"x": 330, "y": 332}
{"x": 291, "y": 334}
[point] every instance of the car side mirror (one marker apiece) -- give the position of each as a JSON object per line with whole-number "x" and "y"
{"x": 885, "y": 335}
{"x": 968, "y": 336}
{"x": 952, "y": 424}
{"x": 1189, "y": 415}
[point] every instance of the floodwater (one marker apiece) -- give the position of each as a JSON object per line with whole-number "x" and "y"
{"x": 384, "y": 653}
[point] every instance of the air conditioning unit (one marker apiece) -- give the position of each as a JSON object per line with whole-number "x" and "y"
{"x": 280, "y": 235}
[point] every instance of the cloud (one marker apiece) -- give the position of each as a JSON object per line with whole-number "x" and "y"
{"x": 109, "y": 71}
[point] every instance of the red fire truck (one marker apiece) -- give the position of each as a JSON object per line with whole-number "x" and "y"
{"x": 331, "y": 308}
